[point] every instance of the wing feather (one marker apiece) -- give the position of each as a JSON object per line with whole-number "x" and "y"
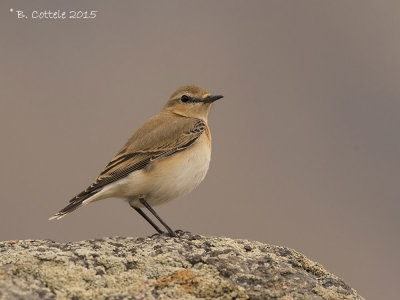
{"x": 165, "y": 140}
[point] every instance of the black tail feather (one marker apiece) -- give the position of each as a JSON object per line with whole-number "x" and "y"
{"x": 74, "y": 204}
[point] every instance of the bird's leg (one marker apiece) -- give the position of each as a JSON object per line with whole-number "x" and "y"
{"x": 147, "y": 219}
{"x": 170, "y": 231}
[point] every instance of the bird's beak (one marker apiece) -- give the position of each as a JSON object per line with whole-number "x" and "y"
{"x": 212, "y": 98}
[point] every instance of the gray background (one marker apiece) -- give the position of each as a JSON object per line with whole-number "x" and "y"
{"x": 305, "y": 143}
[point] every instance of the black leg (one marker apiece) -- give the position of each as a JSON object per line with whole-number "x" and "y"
{"x": 148, "y": 219}
{"x": 170, "y": 231}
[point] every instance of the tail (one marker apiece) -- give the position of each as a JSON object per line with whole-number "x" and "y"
{"x": 76, "y": 202}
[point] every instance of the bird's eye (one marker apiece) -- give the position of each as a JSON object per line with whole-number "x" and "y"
{"x": 185, "y": 98}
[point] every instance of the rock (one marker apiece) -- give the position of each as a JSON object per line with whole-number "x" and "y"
{"x": 160, "y": 267}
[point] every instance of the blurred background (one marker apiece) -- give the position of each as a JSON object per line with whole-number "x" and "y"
{"x": 306, "y": 147}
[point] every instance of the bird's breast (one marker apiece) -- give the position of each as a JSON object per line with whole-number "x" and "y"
{"x": 173, "y": 176}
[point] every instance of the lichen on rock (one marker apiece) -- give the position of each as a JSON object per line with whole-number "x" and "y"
{"x": 159, "y": 267}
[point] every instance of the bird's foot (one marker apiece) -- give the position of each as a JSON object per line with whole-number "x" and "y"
{"x": 158, "y": 234}
{"x": 166, "y": 234}
{"x": 177, "y": 233}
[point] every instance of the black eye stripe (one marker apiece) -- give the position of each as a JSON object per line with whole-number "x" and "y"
{"x": 189, "y": 99}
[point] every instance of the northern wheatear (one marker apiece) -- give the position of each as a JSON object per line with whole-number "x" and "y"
{"x": 166, "y": 158}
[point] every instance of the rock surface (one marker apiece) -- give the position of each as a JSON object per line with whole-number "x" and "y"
{"x": 160, "y": 267}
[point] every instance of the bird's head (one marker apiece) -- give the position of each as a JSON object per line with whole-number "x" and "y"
{"x": 191, "y": 101}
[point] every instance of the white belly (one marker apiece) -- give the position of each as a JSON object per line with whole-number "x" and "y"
{"x": 166, "y": 179}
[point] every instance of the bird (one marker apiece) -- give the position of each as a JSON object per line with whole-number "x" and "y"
{"x": 166, "y": 158}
